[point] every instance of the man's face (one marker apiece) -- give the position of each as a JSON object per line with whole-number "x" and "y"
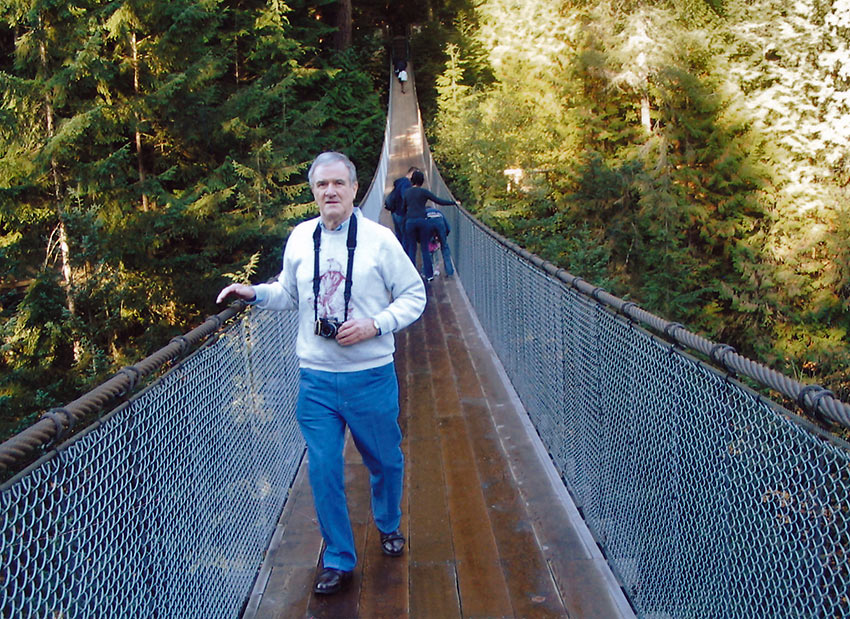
{"x": 334, "y": 193}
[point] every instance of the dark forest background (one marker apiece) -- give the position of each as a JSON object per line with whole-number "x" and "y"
{"x": 690, "y": 155}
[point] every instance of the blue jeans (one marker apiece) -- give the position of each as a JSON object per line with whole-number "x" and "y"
{"x": 436, "y": 224}
{"x": 417, "y": 229}
{"x": 367, "y": 402}
{"x": 398, "y": 224}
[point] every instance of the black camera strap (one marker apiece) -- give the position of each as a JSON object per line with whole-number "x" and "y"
{"x": 351, "y": 244}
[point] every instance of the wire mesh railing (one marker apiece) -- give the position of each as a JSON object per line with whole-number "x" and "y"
{"x": 164, "y": 507}
{"x": 707, "y": 499}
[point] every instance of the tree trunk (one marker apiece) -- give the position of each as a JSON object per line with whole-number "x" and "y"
{"x": 236, "y": 69}
{"x": 644, "y": 113}
{"x": 64, "y": 249}
{"x": 139, "y": 159}
{"x": 342, "y": 39}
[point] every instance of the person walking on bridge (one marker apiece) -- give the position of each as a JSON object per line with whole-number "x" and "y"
{"x": 400, "y": 68}
{"x": 416, "y": 227}
{"x": 353, "y": 287}
{"x": 394, "y": 201}
{"x": 402, "y": 79}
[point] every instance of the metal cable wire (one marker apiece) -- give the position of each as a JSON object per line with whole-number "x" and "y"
{"x": 56, "y": 423}
{"x": 707, "y": 499}
{"x": 814, "y": 399}
{"x": 164, "y": 507}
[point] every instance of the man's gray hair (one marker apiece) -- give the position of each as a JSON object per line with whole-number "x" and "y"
{"x": 332, "y": 157}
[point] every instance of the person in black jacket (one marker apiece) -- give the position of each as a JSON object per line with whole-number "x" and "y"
{"x": 394, "y": 202}
{"x": 400, "y": 69}
{"x": 416, "y": 227}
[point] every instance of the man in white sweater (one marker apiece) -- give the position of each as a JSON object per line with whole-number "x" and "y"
{"x": 353, "y": 287}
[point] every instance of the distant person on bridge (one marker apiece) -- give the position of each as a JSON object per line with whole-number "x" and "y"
{"x": 416, "y": 227}
{"x": 394, "y": 201}
{"x": 399, "y": 64}
{"x": 400, "y": 67}
{"x": 353, "y": 287}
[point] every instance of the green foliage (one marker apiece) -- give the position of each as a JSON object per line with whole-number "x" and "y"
{"x": 687, "y": 155}
{"x": 35, "y": 352}
{"x": 148, "y": 150}
{"x": 454, "y": 27}
{"x": 247, "y": 272}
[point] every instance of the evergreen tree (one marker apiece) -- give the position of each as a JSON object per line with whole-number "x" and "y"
{"x": 149, "y": 149}
{"x": 41, "y": 108}
{"x": 698, "y": 145}
{"x": 789, "y": 63}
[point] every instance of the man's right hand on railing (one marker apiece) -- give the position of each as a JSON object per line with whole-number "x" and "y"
{"x": 244, "y": 292}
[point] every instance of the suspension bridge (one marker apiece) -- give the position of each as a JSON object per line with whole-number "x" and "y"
{"x": 568, "y": 455}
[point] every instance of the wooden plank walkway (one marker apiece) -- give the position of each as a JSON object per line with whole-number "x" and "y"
{"x": 491, "y": 532}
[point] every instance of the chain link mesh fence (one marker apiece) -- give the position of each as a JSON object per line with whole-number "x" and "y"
{"x": 165, "y": 506}
{"x": 707, "y": 499}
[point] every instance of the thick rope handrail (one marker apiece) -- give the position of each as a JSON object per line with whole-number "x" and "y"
{"x": 54, "y": 425}
{"x": 814, "y": 399}
{"x": 51, "y": 428}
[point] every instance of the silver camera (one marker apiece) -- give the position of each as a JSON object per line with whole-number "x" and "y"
{"x": 327, "y": 327}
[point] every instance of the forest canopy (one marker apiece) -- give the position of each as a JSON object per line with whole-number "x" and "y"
{"x": 688, "y": 155}
{"x": 149, "y": 152}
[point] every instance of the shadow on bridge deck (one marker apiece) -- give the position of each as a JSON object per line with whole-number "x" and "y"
{"x": 489, "y": 533}
{"x": 491, "y": 530}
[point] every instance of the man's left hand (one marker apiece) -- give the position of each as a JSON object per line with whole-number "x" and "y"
{"x": 353, "y": 331}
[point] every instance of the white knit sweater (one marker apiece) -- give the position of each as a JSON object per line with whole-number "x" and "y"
{"x": 385, "y": 286}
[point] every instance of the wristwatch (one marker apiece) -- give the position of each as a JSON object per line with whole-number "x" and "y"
{"x": 377, "y": 326}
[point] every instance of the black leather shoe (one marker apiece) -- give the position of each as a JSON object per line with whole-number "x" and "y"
{"x": 330, "y": 581}
{"x": 392, "y": 544}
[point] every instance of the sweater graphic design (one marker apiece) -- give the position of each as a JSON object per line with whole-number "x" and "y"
{"x": 331, "y": 301}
